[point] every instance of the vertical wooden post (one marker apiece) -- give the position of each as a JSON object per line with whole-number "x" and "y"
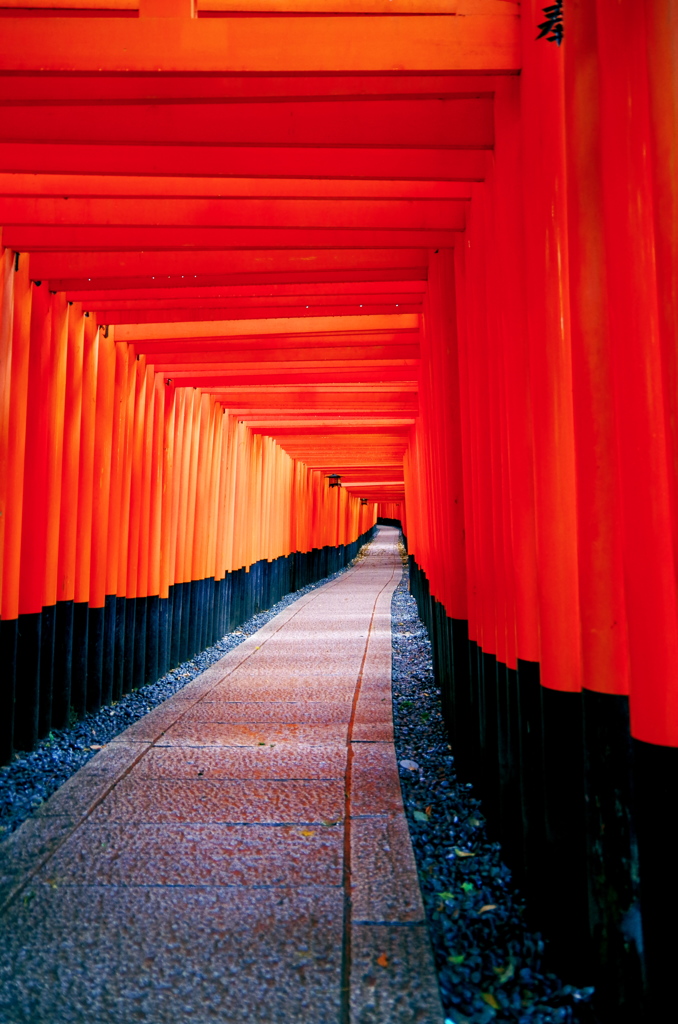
{"x": 34, "y": 526}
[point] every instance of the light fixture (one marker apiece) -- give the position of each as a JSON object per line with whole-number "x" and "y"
{"x": 334, "y": 479}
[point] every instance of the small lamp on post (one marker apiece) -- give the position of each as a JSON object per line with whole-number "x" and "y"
{"x": 334, "y": 479}
{"x": 363, "y": 501}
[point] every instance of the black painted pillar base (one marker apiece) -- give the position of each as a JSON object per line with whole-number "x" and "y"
{"x": 128, "y": 662}
{"x": 108, "y": 668}
{"x": 119, "y": 647}
{"x": 152, "y": 639}
{"x": 95, "y": 657}
{"x": 139, "y": 659}
{"x": 614, "y": 907}
{"x": 47, "y": 641}
{"x": 27, "y": 692}
{"x": 566, "y": 915}
{"x": 79, "y": 658}
{"x": 63, "y": 664}
{"x": 8, "y": 648}
{"x": 532, "y": 785}
{"x": 656, "y": 786}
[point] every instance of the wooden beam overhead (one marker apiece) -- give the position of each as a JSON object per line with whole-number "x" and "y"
{"x": 362, "y": 43}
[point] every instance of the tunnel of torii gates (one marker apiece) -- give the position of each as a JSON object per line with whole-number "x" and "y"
{"x": 256, "y": 244}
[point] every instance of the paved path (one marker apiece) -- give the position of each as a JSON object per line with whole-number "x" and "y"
{"x": 240, "y": 854}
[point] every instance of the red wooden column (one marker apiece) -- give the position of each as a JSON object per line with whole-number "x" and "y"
{"x": 601, "y": 587}
{"x": 643, "y": 397}
{"x": 544, "y": 205}
{"x": 640, "y": 224}
{"x": 603, "y": 601}
{"x": 34, "y": 524}
{"x": 513, "y": 355}
{"x": 440, "y": 330}
{"x": 548, "y": 320}
{"x": 98, "y": 661}
{"x": 53, "y": 635}
{"x": 68, "y": 521}
{"x": 124, "y": 590}
{"x": 114, "y": 646}
{"x": 8, "y": 625}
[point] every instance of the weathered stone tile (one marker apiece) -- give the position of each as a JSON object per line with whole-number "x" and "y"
{"x": 283, "y": 761}
{"x": 151, "y": 854}
{"x": 279, "y": 712}
{"x": 210, "y": 734}
{"x": 31, "y": 844}
{"x": 272, "y": 689}
{"x": 163, "y": 955}
{"x": 372, "y": 732}
{"x": 77, "y": 796}
{"x": 114, "y": 759}
{"x": 375, "y": 786}
{"x": 149, "y": 728}
{"x": 369, "y": 712}
{"x": 210, "y": 800}
{"x": 384, "y": 881}
{"x": 405, "y": 991}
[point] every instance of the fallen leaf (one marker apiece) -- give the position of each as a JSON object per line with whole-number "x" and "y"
{"x": 261, "y": 744}
{"x": 96, "y": 746}
{"x": 420, "y": 816}
{"x": 412, "y": 765}
{"x": 447, "y": 896}
{"x": 488, "y": 906}
{"x": 305, "y": 832}
{"x": 468, "y": 886}
{"x": 463, "y": 853}
{"x": 382, "y": 960}
{"x": 329, "y": 824}
{"x": 429, "y": 810}
{"x": 456, "y": 959}
{"x": 504, "y": 974}
{"x": 475, "y": 822}
{"x": 488, "y": 998}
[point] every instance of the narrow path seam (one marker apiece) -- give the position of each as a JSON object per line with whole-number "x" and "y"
{"x": 345, "y": 1012}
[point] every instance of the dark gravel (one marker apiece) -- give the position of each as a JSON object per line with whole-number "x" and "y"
{"x": 489, "y": 964}
{"x": 32, "y": 777}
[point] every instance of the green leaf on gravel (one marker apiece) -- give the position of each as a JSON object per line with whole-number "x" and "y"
{"x": 420, "y": 816}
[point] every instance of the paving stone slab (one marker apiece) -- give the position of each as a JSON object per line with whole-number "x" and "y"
{"x": 281, "y": 712}
{"x": 375, "y": 785}
{"x": 212, "y": 800}
{"x": 165, "y": 955}
{"x": 405, "y": 991}
{"x": 385, "y": 889}
{"x": 114, "y": 759}
{"x": 169, "y": 855}
{"x": 278, "y": 691}
{"x": 283, "y": 761}
{"x": 373, "y": 732}
{"x": 212, "y": 734}
{"x": 22, "y": 853}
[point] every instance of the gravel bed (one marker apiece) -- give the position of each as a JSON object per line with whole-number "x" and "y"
{"x": 32, "y": 777}
{"x": 489, "y": 963}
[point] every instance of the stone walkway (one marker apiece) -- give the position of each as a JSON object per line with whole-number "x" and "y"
{"x": 241, "y": 853}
